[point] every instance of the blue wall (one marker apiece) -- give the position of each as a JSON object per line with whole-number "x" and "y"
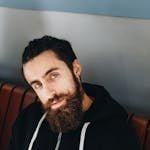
{"x": 123, "y": 8}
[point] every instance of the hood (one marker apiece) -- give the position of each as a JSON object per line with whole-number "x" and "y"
{"x": 104, "y": 107}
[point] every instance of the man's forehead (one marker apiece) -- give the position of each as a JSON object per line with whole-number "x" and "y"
{"x": 39, "y": 65}
{"x": 45, "y": 59}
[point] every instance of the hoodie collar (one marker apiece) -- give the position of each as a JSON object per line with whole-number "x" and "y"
{"x": 103, "y": 106}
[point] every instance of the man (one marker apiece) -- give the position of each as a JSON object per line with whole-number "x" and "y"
{"x": 70, "y": 115}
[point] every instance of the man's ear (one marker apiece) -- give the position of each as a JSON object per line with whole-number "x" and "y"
{"x": 77, "y": 68}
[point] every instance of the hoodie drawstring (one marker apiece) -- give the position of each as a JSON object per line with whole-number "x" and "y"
{"x": 58, "y": 141}
{"x": 36, "y": 131}
{"x": 82, "y": 136}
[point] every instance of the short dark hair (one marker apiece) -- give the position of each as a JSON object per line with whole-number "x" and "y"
{"x": 60, "y": 47}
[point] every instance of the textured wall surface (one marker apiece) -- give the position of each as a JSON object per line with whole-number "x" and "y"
{"x": 124, "y": 8}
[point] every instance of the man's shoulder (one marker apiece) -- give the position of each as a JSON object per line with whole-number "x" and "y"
{"x": 30, "y": 114}
{"x": 119, "y": 134}
{"x": 33, "y": 107}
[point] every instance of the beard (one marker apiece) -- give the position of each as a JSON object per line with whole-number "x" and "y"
{"x": 69, "y": 116}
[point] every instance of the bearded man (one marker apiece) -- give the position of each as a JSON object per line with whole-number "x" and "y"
{"x": 70, "y": 115}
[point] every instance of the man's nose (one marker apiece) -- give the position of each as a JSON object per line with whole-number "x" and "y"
{"x": 49, "y": 91}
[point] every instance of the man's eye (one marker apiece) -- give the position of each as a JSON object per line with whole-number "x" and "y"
{"x": 54, "y": 75}
{"x": 37, "y": 86}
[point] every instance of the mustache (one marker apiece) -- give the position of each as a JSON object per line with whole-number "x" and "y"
{"x": 57, "y": 97}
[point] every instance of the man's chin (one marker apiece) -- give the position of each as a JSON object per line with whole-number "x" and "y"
{"x": 65, "y": 117}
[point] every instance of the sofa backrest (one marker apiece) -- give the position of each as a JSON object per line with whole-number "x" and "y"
{"x": 12, "y": 100}
{"x": 141, "y": 125}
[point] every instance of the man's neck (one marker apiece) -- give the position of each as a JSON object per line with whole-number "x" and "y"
{"x": 87, "y": 102}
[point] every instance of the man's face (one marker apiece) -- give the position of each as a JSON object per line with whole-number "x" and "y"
{"x": 58, "y": 89}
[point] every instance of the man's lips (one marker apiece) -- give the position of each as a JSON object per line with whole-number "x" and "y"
{"x": 57, "y": 103}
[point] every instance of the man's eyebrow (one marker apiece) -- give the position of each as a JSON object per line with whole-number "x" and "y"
{"x": 49, "y": 71}
{"x": 46, "y": 73}
{"x": 32, "y": 82}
